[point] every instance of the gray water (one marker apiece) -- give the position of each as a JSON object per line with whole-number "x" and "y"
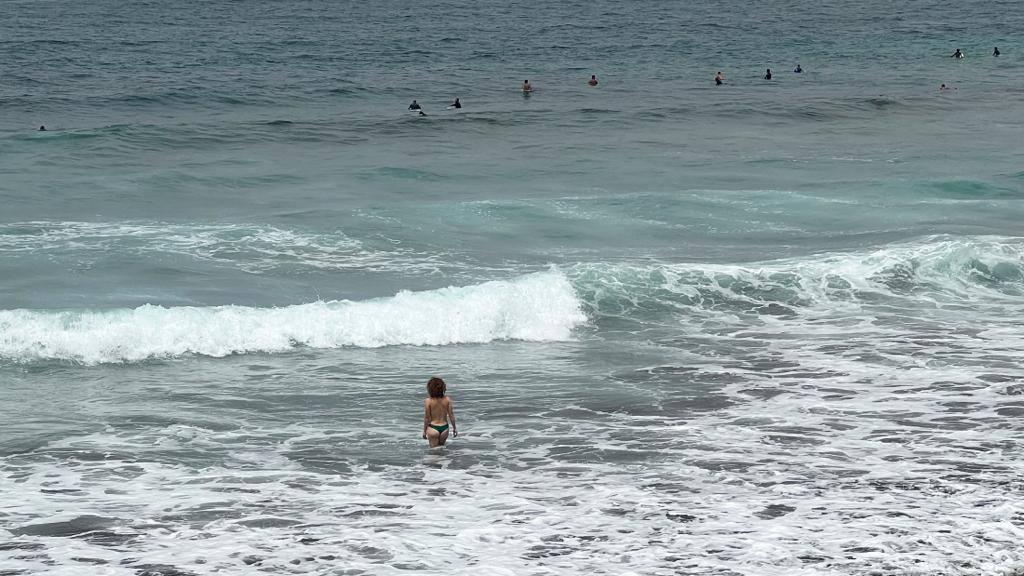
{"x": 766, "y": 328}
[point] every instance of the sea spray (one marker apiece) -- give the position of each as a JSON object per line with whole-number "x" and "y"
{"x": 536, "y": 307}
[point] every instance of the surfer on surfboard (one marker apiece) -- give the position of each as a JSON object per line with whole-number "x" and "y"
{"x": 415, "y": 107}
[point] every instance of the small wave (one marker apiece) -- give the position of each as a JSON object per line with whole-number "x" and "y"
{"x": 969, "y": 189}
{"x": 252, "y": 248}
{"x": 538, "y": 307}
{"x": 933, "y": 269}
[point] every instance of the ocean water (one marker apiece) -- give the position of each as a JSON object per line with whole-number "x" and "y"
{"x": 762, "y": 329}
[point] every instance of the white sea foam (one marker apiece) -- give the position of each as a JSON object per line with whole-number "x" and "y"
{"x": 921, "y": 273}
{"x": 253, "y": 248}
{"x": 874, "y": 429}
{"x": 536, "y": 307}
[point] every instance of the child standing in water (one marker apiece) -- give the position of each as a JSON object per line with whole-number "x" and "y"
{"x": 437, "y": 413}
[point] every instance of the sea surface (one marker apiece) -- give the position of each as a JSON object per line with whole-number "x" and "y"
{"x": 771, "y": 328}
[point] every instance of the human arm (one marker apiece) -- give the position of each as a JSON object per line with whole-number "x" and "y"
{"x": 426, "y": 417}
{"x": 451, "y": 418}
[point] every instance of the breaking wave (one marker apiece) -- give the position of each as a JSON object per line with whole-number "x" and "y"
{"x": 535, "y": 307}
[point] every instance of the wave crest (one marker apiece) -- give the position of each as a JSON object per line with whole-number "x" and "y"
{"x": 934, "y": 269}
{"x": 536, "y": 307}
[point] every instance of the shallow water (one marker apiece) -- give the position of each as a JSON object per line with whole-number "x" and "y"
{"x": 760, "y": 329}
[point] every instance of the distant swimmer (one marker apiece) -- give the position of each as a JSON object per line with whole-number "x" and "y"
{"x": 943, "y": 88}
{"x": 42, "y": 128}
{"x": 593, "y": 80}
{"x": 719, "y": 79}
{"x": 438, "y": 414}
{"x": 456, "y": 104}
{"x": 768, "y": 74}
{"x": 958, "y": 54}
{"x": 995, "y": 51}
{"x": 526, "y": 87}
{"x": 798, "y": 69}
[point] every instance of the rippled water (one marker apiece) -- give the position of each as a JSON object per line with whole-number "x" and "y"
{"x": 767, "y": 328}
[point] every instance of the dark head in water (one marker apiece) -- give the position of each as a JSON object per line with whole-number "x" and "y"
{"x": 768, "y": 74}
{"x": 995, "y": 51}
{"x": 42, "y": 128}
{"x": 798, "y": 69}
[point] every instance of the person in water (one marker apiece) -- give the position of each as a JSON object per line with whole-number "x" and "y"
{"x": 719, "y": 79}
{"x": 438, "y": 412}
{"x": 958, "y": 54}
{"x": 415, "y": 106}
{"x": 768, "y": 74}
{"x": 798, "y": 69}
{"x": 526, "y": 87}
{"x": 456, "y": 104}
{"x": 593, "y": 80}
{"x": 42, "y": 128}
{"x": 995, "y": 51}
{"x": 943, "y": 88}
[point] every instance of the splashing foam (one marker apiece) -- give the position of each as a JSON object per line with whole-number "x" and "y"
{"x": 537, "y": 307}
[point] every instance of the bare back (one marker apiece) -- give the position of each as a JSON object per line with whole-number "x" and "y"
{"x": 437, "y": 409}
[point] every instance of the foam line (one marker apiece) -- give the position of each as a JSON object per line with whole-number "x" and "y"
{"x": 535, "y": 307}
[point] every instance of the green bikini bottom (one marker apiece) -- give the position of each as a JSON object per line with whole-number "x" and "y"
{"x": 440, "y": 429}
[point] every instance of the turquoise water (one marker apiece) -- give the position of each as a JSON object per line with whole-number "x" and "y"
{"x": 766, "y": 328}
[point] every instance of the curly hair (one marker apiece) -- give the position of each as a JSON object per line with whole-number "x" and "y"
{"x": 436, "y": 387}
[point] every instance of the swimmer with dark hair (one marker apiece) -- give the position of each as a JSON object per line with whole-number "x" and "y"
{"x": 957, "y": 54}
{"x": 438, "y": 414}
{"x": 768, "y": 74}
{"x": 719, "y": 79}
{"x": 798, "y": 69}
{"x": 415, "y": 107}
{"x": 593, "y": 80}
{"x": 995, "y": 51}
